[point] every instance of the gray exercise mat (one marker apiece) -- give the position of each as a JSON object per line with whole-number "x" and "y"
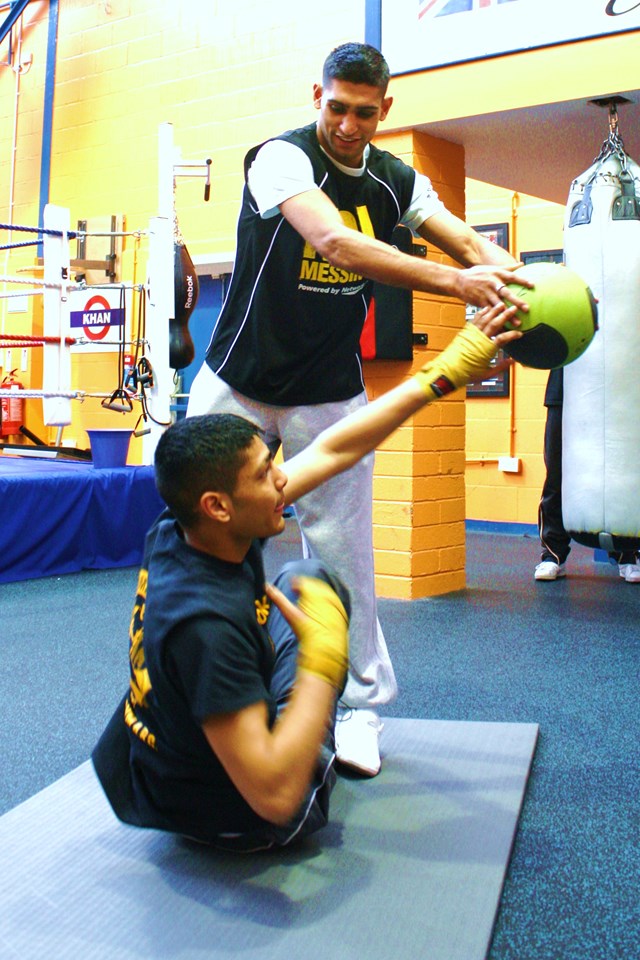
{"x": 411, "y": 866}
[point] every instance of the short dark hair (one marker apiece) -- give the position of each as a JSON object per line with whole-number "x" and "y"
{"x": 197, "y": 454}
{"x": 356, "y": 63}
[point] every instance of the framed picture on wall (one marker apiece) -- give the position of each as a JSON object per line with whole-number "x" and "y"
{"x": 497, "y": 386}
{"x": 542, "y": 256}
{"x": 496, "y": 232}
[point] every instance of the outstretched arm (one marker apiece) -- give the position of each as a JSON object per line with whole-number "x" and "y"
{"x": 463, "y": 243}
{"x": 318, "y": 220}
{"x": 341, "y": 446}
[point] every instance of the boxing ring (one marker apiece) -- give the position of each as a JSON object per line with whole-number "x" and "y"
{"x": 62, "y": 517}
{"x": 59, "y": 513}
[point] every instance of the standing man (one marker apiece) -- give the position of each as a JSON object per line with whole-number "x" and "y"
{"x": 319, "y": 207}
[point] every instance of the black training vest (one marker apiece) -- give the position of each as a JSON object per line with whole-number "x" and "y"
{"x": 289, "y": 330}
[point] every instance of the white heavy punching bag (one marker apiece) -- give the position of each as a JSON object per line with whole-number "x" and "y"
{"x": 601, "y": 409}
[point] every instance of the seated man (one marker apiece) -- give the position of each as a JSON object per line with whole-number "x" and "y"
{"x": 226, "y": 732}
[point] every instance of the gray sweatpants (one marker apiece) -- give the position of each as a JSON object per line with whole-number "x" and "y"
{"x": 335, "y": 521}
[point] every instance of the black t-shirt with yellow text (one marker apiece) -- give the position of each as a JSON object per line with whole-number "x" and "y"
{"x": 198, "y": 646}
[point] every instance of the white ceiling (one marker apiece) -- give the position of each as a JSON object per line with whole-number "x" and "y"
{"x": 539, "y": 150}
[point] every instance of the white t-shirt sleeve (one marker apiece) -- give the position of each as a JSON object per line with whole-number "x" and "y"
{"x": 279, "y": 171}
{"x": 424, "y": 203}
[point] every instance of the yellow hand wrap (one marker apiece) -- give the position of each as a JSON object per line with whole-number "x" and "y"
{"x": 467, "y": 356}
{"x": 323, "y": 639}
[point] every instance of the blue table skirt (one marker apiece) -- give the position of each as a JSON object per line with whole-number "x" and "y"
{"x": 63, "y": 516}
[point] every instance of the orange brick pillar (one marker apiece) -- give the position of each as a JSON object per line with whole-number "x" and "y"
{"x": 418, "y": 492}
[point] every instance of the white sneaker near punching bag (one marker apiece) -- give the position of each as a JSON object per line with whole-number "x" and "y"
{"x": 601, "y": 410}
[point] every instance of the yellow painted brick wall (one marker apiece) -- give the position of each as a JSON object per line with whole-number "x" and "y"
{"x": 225, "y": 75}
{"x": 419, "y": 480}
{"x": 21, "y": 86}
{"x": 511, "y": 426}
{"x": 21, "y": 95}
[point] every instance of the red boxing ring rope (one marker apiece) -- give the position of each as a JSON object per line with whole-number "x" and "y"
{"x": 36, "y": 340}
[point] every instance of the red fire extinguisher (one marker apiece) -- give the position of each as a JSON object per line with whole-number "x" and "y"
{"x": 11, "y": 408}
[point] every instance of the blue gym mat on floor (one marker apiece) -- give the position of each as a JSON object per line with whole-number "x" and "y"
{"x": 411, "y": 866}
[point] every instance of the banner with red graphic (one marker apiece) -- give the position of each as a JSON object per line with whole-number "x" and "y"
{"x": 97, "y": 318}
{"x": 419, "y": 34}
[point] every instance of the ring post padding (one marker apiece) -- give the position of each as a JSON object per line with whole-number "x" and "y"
{"x": 161, "y": 293}
{"x": 57, "y": 356}
{"x": 601, "y": 426}
{"x": 160, "y": 309}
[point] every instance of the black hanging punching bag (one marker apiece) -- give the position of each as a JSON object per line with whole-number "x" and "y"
{"x": 186, "y": 288}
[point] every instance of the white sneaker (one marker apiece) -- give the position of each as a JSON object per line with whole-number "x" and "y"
{"x": 357, "y": 732}
{"x": 630, "y": 572}
{"x": 549, "y": 570}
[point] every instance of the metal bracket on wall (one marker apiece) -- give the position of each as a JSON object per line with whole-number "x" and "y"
{"x": 81, "y": 263}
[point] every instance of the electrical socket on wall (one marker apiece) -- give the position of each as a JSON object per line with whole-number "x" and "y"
{"x": 509, "y": 464}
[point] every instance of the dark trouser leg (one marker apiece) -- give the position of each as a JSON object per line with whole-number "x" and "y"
{"x": 554, "y": 539}
{"x": 314, "y": 812}
{"x": 624, "y": 556}
{"x": 284, "y": 639}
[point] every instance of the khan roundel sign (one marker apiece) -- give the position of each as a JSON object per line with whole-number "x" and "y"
{"x": 97, "y": 318}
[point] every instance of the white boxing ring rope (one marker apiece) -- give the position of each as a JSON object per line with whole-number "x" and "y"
{"x": 8, "y": 341}
{"x": 23, "y": 394}
{"x": 56, "y": 287}
{"x": 34, "y": 282}
{"x": 22, "y": 293}
{"x": 158, "y": 290}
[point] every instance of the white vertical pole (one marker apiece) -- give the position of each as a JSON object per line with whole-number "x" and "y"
{"x": 57, "y": 357}
{"x": 160, "y": 293}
